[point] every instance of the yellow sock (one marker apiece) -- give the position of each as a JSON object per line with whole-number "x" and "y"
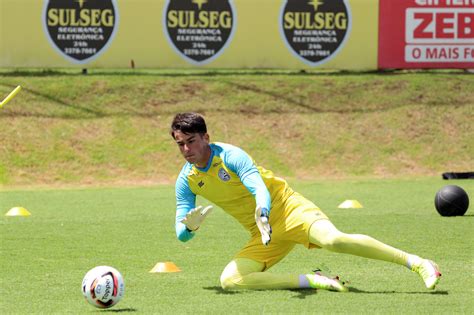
{"x": 323, "y": 233}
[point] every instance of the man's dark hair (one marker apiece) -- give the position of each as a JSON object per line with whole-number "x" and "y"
{"x": 188, "y": 123}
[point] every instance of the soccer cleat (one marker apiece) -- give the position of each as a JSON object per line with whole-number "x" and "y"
{"x": 319, "y": 281}
{"x": 429, "y": 271}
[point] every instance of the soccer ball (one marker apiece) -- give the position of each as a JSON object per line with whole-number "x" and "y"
{"x": 103, "y": 286}
{"x": 451, "y": 200}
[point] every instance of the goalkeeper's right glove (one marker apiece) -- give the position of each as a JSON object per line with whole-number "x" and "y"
{"x": 195, "y": 217}
{"x": 263, "y": 224}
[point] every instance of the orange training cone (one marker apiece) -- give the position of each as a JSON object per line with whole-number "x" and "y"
{"x": 165, "y": 267}
{"x": 18, "y": 212}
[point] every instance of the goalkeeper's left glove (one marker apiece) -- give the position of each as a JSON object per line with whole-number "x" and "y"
{"x": 263, "y": 224}
{"x": 195, "y": 217}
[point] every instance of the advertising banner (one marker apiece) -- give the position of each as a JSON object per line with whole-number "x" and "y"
{"x": 199, "y": 31}
{"x": 80, "y": 30}
{"x": 232, "y": 34}
{"x": 314, "y": 31}
{"x": 426, "y": 34}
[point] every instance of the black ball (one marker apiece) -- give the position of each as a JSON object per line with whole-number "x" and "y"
{"x": 451, "y": 200}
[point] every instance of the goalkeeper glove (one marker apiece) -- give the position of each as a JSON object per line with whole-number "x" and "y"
{"x": 195, "y": 217}
{"x": 262, "y": 220}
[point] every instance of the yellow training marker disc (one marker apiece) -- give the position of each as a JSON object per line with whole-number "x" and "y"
{"x": 18, "y": 212}
{"x": 350, "y": 204}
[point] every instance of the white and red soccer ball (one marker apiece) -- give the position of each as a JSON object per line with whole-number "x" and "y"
{"x": 103, "y": 286}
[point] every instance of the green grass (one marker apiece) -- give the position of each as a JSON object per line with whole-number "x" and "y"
{"x": 110, "y": 128}
{"x": 45, "y": 256}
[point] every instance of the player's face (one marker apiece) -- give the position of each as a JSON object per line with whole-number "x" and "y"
{"x": 194, "y": 147}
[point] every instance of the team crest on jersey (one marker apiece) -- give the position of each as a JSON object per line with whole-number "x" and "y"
{"x": 223, "y": 175}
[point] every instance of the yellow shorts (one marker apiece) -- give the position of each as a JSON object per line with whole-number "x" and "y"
{"x": 289, "y": 229}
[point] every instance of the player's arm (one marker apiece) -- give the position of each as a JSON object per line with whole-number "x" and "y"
{"x": 254, "y": 183}
{"x": 188, "y": 217}
{"x": 185, "y": 202}
{"x": 241, "y": 164}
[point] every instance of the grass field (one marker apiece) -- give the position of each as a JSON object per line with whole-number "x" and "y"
{"x": 90, "y": 156}
{"x": 112, "y": 128}
{"x": 45, "y": 256}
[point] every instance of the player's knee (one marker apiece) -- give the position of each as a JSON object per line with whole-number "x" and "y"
{"x": 333, "y": 241}
{"x": 323, "y": 233}
{"x": 229, "y": 282}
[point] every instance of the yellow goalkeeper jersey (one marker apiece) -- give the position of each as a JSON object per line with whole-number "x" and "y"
{"x": 232, "y": 181}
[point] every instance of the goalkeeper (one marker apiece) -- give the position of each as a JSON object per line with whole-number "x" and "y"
{"x": 277, "y": 217}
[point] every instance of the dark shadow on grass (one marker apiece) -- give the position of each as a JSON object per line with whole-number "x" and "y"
{"x": 88, "y": 111}
{"x": 119, "y": 310}
{"x": 305, "y": 104}
{"x": 191, "y": 73}
{"x": 219, "y": 290}
{"x": 222, "y": 72}
{"x": 302, "y": 293}
{"x": 61, "y": 102}
{"x": 355, "y": 290}
{"x": 300, "y": 103}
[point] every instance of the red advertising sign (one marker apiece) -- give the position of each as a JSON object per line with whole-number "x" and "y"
{"x": 426, "y": 34}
